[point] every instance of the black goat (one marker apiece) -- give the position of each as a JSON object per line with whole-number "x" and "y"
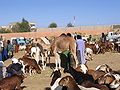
{"x": 79, "y": 76}
{"x": 56, "y": 74}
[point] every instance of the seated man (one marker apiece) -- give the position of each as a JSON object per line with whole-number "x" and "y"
{"x": 14, "y": 68}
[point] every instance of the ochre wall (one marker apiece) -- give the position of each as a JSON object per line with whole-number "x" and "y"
{"x": 51, "y": 33}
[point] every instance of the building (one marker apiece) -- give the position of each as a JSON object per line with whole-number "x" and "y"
{"x": 31, "y": 24}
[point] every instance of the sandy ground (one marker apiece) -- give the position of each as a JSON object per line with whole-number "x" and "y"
{"x": 42, "y": 81}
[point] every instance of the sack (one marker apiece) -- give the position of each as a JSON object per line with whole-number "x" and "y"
{"x": 10, "y": 53}
{"x": 1, "y": 49}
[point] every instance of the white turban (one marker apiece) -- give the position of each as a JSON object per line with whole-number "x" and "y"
{"x": 15, "y": 60}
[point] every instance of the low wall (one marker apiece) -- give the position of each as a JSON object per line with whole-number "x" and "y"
{"x": 52, "y": 33}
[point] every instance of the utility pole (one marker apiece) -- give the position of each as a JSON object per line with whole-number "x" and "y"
{"x": 74, "y": 21}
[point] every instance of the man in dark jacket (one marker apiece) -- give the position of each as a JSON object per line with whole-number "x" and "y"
{"x": 14, "y": 68}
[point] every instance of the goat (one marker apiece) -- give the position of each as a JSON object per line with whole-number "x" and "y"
{"x": 89, "y": 54}
{"x": 115, "y": 84}
{"x": 118, "y": 88}
{"x": 69, "y": 82}
{"x": 22, "y": 47}
{"x": 104, "y": 67}
{"x": 35, "y": 52}
{"x": 56, "y": 74}
{"x": 106, "y": 79}
{"x": 31, "y": 63}
{"x": 11, "y": 83}
{"x": 55, "y": 80}
{"x": 28, "y": 50}
{"x": 96, "y": 74}
{"x": 89, "y": 84}
{"x": 82, "y": 68}
{"x": 79, "y": 76}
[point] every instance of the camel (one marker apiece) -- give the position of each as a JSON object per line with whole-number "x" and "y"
{"x": 45, "y": 50}
{"x": 63, "y": 43}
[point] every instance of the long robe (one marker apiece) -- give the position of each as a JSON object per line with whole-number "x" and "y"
{"x": 81, "y": 50}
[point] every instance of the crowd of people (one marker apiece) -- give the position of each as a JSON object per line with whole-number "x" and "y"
{"x": 7, "y": 50}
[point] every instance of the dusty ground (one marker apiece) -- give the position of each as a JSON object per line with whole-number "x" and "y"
{"x": 42, "y": 81}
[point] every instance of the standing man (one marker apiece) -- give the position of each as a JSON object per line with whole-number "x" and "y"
{"x": 80, "y": 49}
{"x": 103, "y": 37}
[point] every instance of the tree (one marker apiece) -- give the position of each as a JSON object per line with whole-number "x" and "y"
{"x": 2, "y": 30}
{"x": 16, "y": 28}
{"x": 70, "y": 25}
{"x": 53, "y": 25}
{"x": 24, "y": 26}
{"x": 21, "y": 27}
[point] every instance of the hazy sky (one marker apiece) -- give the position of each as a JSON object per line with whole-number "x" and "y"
{"x": 44, "y": 12}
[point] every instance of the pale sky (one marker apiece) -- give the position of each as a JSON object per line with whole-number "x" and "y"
{"x": 62, "y": 12}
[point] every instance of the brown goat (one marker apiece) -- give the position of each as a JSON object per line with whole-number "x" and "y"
{"x": 95, "y": 74}
{"x": 104, "y": 67}
{"x": 88, "y": 84}
{"x": 31, "y": 63}
{"x": 69, "y": 82}
{"x": 11, "y": 83}
{"x": 106, "y": 79}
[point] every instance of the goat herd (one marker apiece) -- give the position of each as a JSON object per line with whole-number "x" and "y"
{"x": 82, "y": 78}
{"x": 74, "y": 78}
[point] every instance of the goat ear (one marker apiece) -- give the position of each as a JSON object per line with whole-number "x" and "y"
{"x": 51, "y": 74}
{"x": 24, "y": 75}
{"x": 52, "y": 68}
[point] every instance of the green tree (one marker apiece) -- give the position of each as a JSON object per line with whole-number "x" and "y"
{"x": 16, "y": 28}
{"x": 52, "y": 25}
{"x": 2, "y": 30}
{"x": 70, "y": 25}
{"x": 22, "y": 26}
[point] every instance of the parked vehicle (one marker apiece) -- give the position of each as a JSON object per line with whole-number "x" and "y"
{"x": 20, "y": 40}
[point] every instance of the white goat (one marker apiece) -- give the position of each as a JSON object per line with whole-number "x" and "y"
{"x": 33, "y": 51}
{"x": 89, "y": 54}
{"x": 22, "y": 47}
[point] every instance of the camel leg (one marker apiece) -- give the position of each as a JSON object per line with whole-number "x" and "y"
{"x": 37, "y": 55}
{"x": 46, "y": 57}
{"x": 30, "y": 71}
{"x": 49, "y": 56}
{"x": 74, "y": 53}
{"x": 91, "y": 56}
{"x": 57, "y": 61}
{"x": 23, "y": 69}
{"x": 76, "y": 60}
{"x": 43, "y": 61}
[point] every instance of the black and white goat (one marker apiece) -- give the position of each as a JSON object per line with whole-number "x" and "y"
{"x": 79, "y": 76}
{"x": 56, "y": 77}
